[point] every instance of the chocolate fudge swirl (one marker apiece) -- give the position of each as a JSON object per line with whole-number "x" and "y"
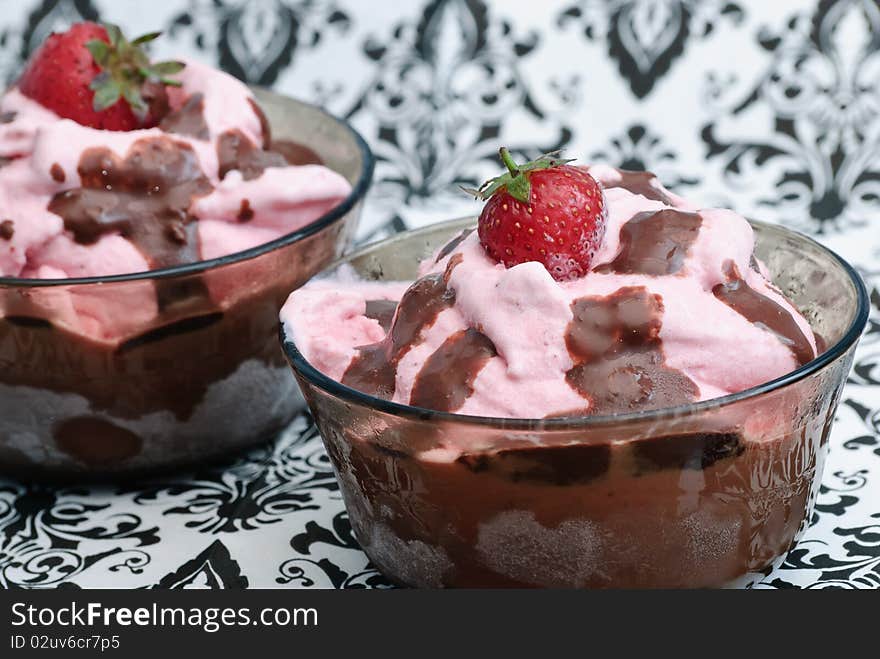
{"x": 643, "y": 183}
{"x": 292, "y": 152}
{"x": 236, "y": 151}
{"x": 374, "y": 370}
{"x": 189, "y": 119}
{"x": 615, "y": 344}
{"x": 655, "y": 243}
{"x": 265, "y": 126}
{"x": 763, "y": 312}
{"x": 446, "y": 379}
{"x": 449, "y": 247}
{"x": 143, "y": 197}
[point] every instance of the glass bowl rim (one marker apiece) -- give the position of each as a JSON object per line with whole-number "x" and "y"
{"x": 357, "y": 193}
{"x": 335, "y": 388}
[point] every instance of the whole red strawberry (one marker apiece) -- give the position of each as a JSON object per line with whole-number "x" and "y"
{"x": 545, "y": 211}
{"x": 95, "y": 76}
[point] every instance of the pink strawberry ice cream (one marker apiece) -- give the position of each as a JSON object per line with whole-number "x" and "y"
{"x": 77, "y": 201}
{"x": 673, "y": 296}
{"x": 208, "y": 181}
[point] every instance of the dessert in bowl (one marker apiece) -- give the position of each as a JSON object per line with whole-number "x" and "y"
{"x": 144, "y": 257}
{"x": 649, "y": 407}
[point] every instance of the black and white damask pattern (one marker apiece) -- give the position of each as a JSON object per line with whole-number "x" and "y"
{"x": 770, "y": 108}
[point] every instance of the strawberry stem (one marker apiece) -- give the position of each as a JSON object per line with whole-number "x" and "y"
{"x": 516, "y": 179}
{"x": 509, "y": 162}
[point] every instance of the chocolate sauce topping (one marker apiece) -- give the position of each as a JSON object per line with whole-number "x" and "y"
{"x": 643, "y": 183}
{"x": 292, "y": 152}
{"x": 265, "y": 127}
{"x": 236, "y": 151}
{"x": 56, "y": 171}
{"x": 143, "y": 197}
{"x": 295, "y": 153}
{"x": 156, "y": 96}
{"x": 7, "y": 229}
{"x": 189, "y": 119}
{"x": 382, "y": 311}
{"x": 763, "y": 312}
{"x": 447, "y": 377}
{"x": 619, "y": 362}
{"x": 655, "y": 243}
{"x": 449, "y": 247}
{"x": 245, "y": 212}
{"x": 374, "y": 369}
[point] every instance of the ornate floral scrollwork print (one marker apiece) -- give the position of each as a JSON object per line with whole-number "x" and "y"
{"x": 443, "y": 88}
{"x": 212, "y": 568}
{"x": 256, "y": 39}
{"x": 320, "y": 572}
{"x": 638, "y": 148}
{"x": 646, "y": 37}
{"x": 51, "y": 536}
{"x": 847, "y": 558}
{"x": 259, "y": 489}
{"x": 809, "y": 124}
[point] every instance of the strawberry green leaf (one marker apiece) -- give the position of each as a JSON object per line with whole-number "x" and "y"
{"x": 100, "y": 51}
{"x": 139, "y": 58}
{"x": 107, "y": 92}
{"x": 160, "y": 69}
{"x": 491, "y": 187}
{"x": 145, "y": 38}
{"x": 114, "y": 33}
{"x": 134, "y": 99}
{"x": 519, "y": 188}
{"x": 472, "y": 192}
{"x": 125, "y": 68}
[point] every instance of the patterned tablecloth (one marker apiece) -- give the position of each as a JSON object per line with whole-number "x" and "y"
{"x": 770, "y": 108}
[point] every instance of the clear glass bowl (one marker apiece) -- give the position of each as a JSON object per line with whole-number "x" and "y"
{"x": 703, "y": 495}
{"x": 192, "y": 368}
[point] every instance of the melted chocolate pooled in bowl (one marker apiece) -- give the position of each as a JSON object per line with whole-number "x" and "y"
{"x": 619, "y": 361}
